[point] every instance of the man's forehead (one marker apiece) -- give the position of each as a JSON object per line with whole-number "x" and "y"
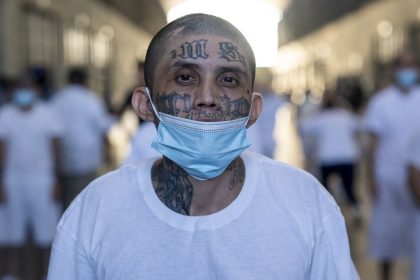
{"x": 205, "y": 47}
{"x": 207, "y": 40}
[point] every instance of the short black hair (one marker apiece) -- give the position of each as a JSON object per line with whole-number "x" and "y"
{"x": 397, "y": 62}
{"x": 194, "y": 24}
{"x": 77, "y": 75}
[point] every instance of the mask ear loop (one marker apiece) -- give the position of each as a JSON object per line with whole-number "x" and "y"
{"x": 151, "y": 102}
{"x": 250, "y": 110}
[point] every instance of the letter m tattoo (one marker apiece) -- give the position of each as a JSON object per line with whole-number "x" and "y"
{"x": 195, "y": 49}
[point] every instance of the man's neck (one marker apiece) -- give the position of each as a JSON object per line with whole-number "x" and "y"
{"x": 189, "y": 196}
{"x": 404, "y": 90}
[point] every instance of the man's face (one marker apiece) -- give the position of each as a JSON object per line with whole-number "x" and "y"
{"x": 408, "y": 60}
{"x": 204, "y": 78}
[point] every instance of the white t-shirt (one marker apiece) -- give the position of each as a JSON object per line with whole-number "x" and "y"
{"x": 413, "y": 152}
{"x": 393, "y": 117}
{"x": 282, "y": 225}
{"x": 28, "y": 139}
{"x": 87, "y": 123}
{"x": 260, "y": 134}
{"x": 334, "y": 131}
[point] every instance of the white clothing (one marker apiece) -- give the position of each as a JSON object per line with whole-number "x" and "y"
{"x": 29, "y": 174}
{"x": 30, "y": 203}
{"x": 141, "y": 144}
{"x": 28, "y": 138}
{"x": 413, "y": 151}
{"x": 87, "y": 123}
{"x": 3, "y": 224}
{"x": 413, "y": 155}
{"x": 282, "y": 225}
{"x": 261, "y": 133}
{"x": 392, "y": 117}
{"x": 335, "y": 132}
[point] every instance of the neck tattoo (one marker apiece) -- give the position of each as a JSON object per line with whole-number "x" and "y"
{"x": 174, "y": 188}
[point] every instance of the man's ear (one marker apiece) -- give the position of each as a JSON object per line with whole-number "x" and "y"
{"x": 256, "y": 108}
{"x": 141, "y": 104}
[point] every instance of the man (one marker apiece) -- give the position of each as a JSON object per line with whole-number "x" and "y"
{"x": 87, "y": 123}
{"x": 335, "y": 130}
{"x": 29, "y": 190}
{"x": 391, "y": 118}
{"x": 205, "y": 210}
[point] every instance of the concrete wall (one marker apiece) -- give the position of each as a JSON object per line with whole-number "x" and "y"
{"x": 130, "y": 42}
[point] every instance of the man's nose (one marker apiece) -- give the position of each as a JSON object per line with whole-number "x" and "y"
{"x": 207, "y": 96}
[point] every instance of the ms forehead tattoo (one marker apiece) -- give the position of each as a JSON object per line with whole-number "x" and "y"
{"x": 194, "y": 50}
{"x": 230, "y": 52}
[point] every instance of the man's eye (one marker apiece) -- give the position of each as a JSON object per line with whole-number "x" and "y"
{"x": 229, "y": 80}
{"x": 184, "y": 78}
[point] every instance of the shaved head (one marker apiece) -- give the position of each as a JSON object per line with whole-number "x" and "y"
{"x": 193, "y": 24}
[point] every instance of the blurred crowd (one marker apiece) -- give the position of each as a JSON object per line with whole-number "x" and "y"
{"x": 54, "y": 143}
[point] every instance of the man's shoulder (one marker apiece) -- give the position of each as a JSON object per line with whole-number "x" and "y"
{"x": 284, "y": 177}
{"x": 113, "y": 183}
{"x": 384, "y": 95}
{"x": 294, "y": 190}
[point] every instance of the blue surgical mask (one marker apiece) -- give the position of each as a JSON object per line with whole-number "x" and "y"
{"x": 24, "y": 97}
{"x": 203, "y": 149}
{"x": 406, "y": 77}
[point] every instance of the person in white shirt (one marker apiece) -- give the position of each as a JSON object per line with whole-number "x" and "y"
{"x": 205, "y": 210}
{"x": 413, "y": 166}
{"x": 391, "y": 117}
{"x": 335, "y": 131}
{"x": 261, "y": 134}
{"x": 29, "y": 189}
{"x": 141, "y": 148}
{"x": 305, "y": 111}
{"x": 86, "y": 126}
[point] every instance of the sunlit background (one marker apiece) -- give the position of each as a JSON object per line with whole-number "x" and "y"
{"x": 258, "y": 21}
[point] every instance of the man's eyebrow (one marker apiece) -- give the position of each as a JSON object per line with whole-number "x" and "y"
{"x": 184, "y": 64}
{"x": 234, "y": 69}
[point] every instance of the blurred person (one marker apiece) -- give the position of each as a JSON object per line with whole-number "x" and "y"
{"x": 168, "y": 218}
{"x": 286, "y": 135}
{"x": 141, "y": 142}
{"x": 40, "y": 79}
{"x": 413, "y": 155}
{"x": 305, "y": 112}
{"x": 142, "y": 139}
{"x": 126, "y": 105}
{"x": 29, "y": 189}
{"x": 86, "y": 125}
{"x": 390, "y": 120}
{"x": 7, "y": 85}
{"x": 260, "y": 134}
{"x": 335, "y": 131}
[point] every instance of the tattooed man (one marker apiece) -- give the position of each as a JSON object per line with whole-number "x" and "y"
{"x": 206, "y": 209}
